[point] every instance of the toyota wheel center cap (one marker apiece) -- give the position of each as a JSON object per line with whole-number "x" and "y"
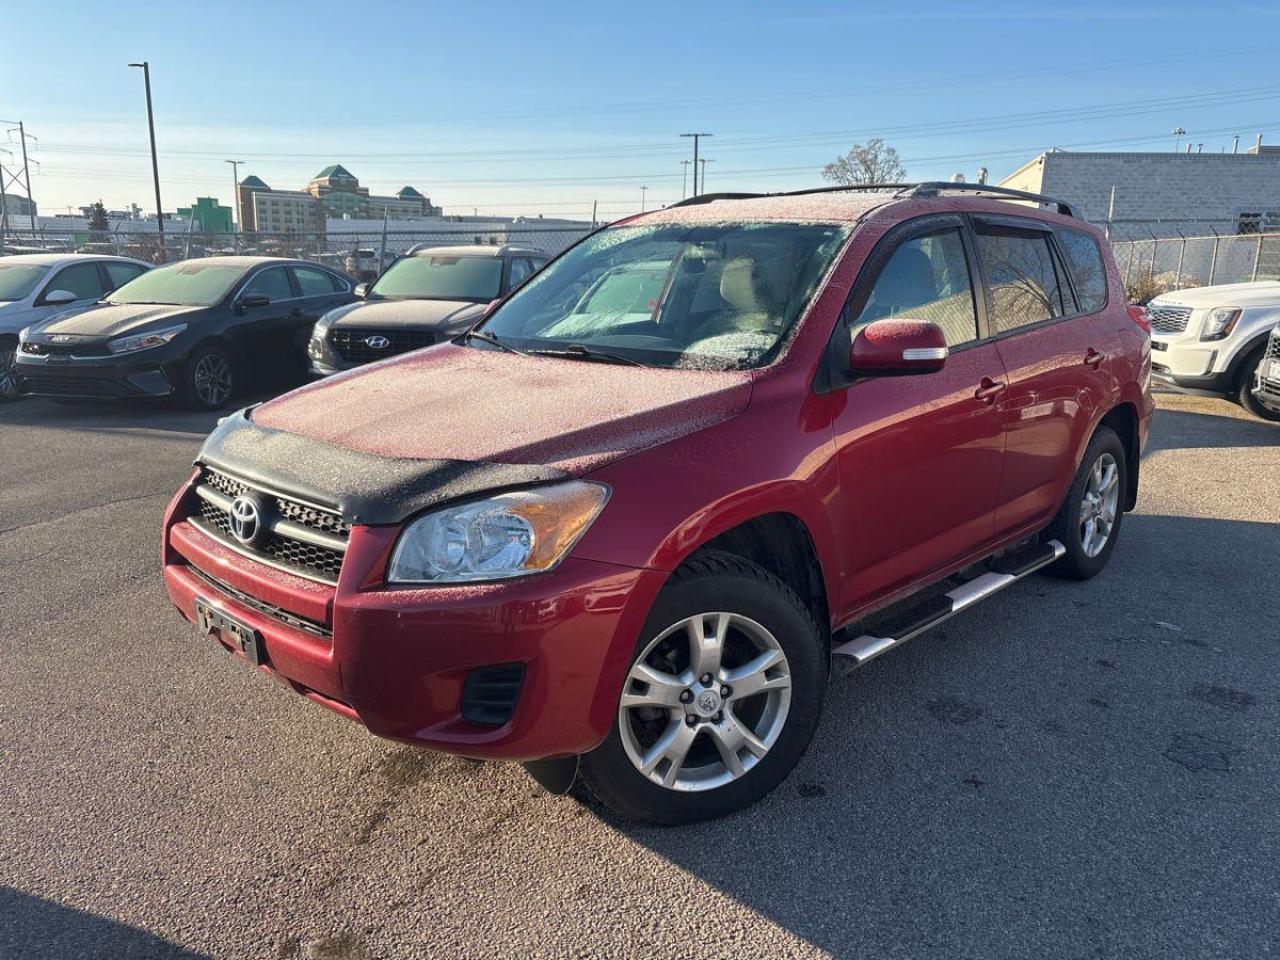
{"x": 707, "y": 703}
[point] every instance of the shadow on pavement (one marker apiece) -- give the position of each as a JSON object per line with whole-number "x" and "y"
{"x": 1046, "y": 775}
{"x": 32, "y": 927}
{"x": 1186, "y": 429}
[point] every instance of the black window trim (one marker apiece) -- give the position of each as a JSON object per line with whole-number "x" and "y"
{"x": 831, "y": 374}
{"x": 1057, "y": 257}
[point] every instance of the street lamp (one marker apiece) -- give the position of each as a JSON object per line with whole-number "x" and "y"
{"x": 1178, "y": 132}
{"x": 696, "y": 138}
{"x": 642, "y": 193}
{"x": 704, "y": 161}
{"x": 155, "y": 166}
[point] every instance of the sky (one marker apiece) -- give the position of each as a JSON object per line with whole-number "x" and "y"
{"x": 550, "y": 107}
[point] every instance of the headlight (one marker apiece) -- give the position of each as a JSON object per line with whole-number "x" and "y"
{"x": 143, "y": 341}
{"x": 508, "y": 535}
{"x": 1220, "y": 322}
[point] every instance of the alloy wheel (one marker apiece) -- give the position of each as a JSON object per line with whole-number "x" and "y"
{"x": 705, "y": 701}
{"x": 1100, "y": 504}
{"x": 8, "y": 375}
{"x": 212, "y": 379}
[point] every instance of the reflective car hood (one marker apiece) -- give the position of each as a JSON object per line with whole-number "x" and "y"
{"x": 108, "y": 320}
{"x": 447, "y": 315}
{"x": 1260, "y": 293}
{"x": 461, "y": 403}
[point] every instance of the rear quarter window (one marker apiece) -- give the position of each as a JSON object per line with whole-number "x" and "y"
{"x": 1088, "y": 272}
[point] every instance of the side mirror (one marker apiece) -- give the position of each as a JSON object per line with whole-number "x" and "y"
{"x": 56, "y": 298}
{"x": 361, "y": 290}
{"x": 898, "y": 346}
{"x": 253, "y": 300}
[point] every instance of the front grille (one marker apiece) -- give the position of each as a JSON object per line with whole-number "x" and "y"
{"x": 1273, "y": 345}
{"x": 352, "y": 345}
{"x": 1168, "y": 319}
{"x": 66, "y": 349}
{"x": 68, "y": 386}
{"x": 489, "y": 694}
{"x": 314, "y": 549}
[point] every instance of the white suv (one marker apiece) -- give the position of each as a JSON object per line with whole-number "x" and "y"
{"x": 1211, "y": 340}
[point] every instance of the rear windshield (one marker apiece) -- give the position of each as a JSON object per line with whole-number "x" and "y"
{"x": 192, "y": 283}
{"x": 17, "y": 280}
{"x": 719, "y": 296}
{"x": 434, "y": 277}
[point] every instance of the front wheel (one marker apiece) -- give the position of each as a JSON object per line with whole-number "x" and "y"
{"x": 209, "y": 378}
{"x": 720, "y": 701}
{"x": 1089, "y": 522}
{"x": 8, "y": 373}
{"x": 1260, "y": 408}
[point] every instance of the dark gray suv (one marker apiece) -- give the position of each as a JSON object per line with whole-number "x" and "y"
{"x": 429, "y": 295}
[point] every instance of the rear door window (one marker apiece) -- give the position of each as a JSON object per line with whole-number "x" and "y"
{"x": 313, "y": 283}
{"x": 926, "y": 278}
{"x": 121, "y": 273}
{"x": 1021, "y": 281}
{"x": 1088, "y": 273}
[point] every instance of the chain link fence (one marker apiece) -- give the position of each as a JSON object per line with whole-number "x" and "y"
{"x": 1151, "y": 267}
{"x": 356, "y": 252}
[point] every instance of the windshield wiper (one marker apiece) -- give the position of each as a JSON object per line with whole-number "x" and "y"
{"x": 577, "y": 351}
{"x": 488, "y": 337}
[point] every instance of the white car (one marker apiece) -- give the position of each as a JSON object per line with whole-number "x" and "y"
{"x": 1212, "y": 340}
{"x": 37, "y": 286}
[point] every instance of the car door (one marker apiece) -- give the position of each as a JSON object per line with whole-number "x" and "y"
{"x": 264, "y": 334}
{"x": 81, "y": 279}
{"x": 918, "y": 457}
{"x": 319, "y": 291}
{"x": 1051, "y": 351}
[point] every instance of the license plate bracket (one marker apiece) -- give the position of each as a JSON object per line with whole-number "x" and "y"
{"x": 240, "y": 635}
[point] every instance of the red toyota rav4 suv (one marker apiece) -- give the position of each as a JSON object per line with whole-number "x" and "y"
{"x": 624, "y": 526}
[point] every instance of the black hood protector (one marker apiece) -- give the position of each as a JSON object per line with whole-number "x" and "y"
{"x": 364, "y": 487}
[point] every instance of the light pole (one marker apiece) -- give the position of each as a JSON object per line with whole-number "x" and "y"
{"x": 235, "y": 193}
{"x": 642, "y": 193}
{"x": 696, "y": 138}
{"x": 684, "y": 178}
{"x": 155, "y": 165}
{"x": 704, "y": 161}
{"x": 1178, "y": 133}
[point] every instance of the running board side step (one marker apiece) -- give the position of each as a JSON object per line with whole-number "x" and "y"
{"x": 1007, "y": 570}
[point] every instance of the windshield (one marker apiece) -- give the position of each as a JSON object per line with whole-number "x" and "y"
{"x": 435, "y": 277}
{"x": 192, "y": 283}
{"x": 17, "y": 280}
{"x": 715, "y": 296}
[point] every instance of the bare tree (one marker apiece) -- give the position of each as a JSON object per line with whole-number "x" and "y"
{"x": 870, "y": 162}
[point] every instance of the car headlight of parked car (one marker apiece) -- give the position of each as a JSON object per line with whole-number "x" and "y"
{"x": 144, "y": 341}
{"x": 1220, "y": 322}
{"x": 507, "y": 535}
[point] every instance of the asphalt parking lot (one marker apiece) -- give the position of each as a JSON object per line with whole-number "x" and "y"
{"x": 1069, "y": 770}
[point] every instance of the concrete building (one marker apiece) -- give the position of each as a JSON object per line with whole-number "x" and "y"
{"x": 1162, "y": 194}
{"x": 333, "y": 192}
{"x": 19, "y": 206}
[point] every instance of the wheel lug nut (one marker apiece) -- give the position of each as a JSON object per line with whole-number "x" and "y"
{"x": 691, "y": 720}
{"x": 706, "y": 679}
{"x": 726, "y": 691}
{"x": 686, "y": 696}
{"x": 719, "y": 717}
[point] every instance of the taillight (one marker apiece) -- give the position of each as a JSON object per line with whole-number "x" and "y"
{"x": 1139, "y": 316}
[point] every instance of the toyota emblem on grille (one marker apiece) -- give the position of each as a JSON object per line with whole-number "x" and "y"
{"x": 244, "y": 519}
{"x": 377, "y": 342}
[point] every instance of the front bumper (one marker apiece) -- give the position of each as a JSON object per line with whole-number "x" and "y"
{"x": 397, "y": 659}
{"x": 99, "y": 378}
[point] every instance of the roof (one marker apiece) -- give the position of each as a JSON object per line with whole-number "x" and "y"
{"x": 478, "y": 250}
{"x": 243, "y": 261}
{"x": 822, "y": 207}
{"x": 335, "y": 170}
{"x": 58, "y": 259}
{"x": 252, "y": 181}
{"x": 407, "y": 191}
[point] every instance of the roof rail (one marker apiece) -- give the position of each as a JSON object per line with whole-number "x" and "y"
{"x": 926, "y": 189}
{"x": 933, "y": 188}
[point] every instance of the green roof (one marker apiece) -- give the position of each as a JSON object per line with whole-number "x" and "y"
{"x": 334, "y": 170}
{"x": 409, "y": 192}
{"x": 252, "y": 181}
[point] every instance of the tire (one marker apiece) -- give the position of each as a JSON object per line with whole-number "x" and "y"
{"x": 719, "y": 597}
{"x": 1245, "y": 397}
{"x": 8, "y": 372}
{"x": 1086, "y": 556}
{"x": 209, "y": 378}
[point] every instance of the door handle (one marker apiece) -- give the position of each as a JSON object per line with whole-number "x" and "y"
{"x": 1093, "y": 358}
{"x": 988, "y": 390}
